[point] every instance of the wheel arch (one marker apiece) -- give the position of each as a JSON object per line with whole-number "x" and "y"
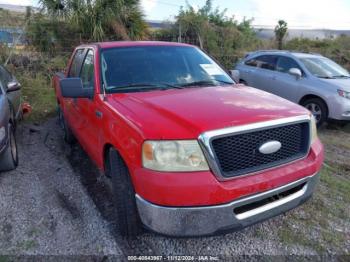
{"x": 311, "y": 96}
{"x": 106, "y": 160}
{"x": 105, "y": 157}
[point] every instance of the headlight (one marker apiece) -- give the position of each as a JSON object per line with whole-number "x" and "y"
{"x": 173, "y": 156}
{"x": 2, "y": 133}
{"x": 313, "y": 129}
{"x": 344, "y": 93}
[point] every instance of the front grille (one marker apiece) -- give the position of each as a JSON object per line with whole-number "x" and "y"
{"x": 238, "y": 154}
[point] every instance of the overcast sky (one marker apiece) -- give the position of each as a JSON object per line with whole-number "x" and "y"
{"x": 331, "y": 14}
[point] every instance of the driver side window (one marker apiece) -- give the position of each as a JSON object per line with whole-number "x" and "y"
{"x": 87, "y": 71}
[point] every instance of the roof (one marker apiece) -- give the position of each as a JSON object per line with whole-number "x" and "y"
{"x": 136, "y": 43}
{"x": 283, "y": 52}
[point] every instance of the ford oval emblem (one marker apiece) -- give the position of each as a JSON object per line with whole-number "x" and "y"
{"x": 270, "y": 147}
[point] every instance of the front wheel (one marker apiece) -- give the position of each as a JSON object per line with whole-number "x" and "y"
{"x": 128, "y": 220}
{"x": 318, "y": 108}
{"x": 9, "y": 158}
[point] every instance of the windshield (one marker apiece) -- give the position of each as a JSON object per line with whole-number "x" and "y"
{"x": 324, "y": 68}
{"x": 140, "y": 68}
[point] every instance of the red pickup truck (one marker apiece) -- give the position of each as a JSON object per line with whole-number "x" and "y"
{"x": 188, "y": 151}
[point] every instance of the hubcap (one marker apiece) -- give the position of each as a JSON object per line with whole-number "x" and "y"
{"x": 315, "y": 110}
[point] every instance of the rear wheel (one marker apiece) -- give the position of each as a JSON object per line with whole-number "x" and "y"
{"x": 318, "y": 108}
{"x": 128, "y": 220}
{"x": 67, "y": 133}
{"x": 9, "y": 158}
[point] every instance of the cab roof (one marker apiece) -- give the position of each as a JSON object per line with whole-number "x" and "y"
{"x": 115, "y": 44}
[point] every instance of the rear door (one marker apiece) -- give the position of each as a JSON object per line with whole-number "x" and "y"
{"x": 286, "y": 85}
{"x": 90, "y": 116}
{"x": 15, "y": 96}
{"x": 70, "y": 109}
{"x": 261, "y": 72}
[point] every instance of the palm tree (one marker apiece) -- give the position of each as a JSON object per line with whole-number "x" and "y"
{"x": 281, "y": 30}
{"x": 100, "y": 19}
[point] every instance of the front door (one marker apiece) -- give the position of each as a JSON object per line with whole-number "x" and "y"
{"x": 286, "y": 85}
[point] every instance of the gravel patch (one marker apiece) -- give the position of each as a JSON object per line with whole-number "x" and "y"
{"x": 58, "y": 203}
{"x": 45, "y": 209}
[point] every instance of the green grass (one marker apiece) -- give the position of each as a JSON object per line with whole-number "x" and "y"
{"x": 320, "y": 224}
{"x": 27, "y": 245}
{"x": 38, "y": 92}
{"x": 4, "y": 258}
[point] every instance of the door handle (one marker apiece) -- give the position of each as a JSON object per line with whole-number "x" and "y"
{"x": 98, "y": 114}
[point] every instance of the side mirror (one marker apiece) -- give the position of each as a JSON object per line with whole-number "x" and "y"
{"x": 13, "y": 86}
{"x": 295, "y": 72}
{"x": 235, "y": 75}
{"x": 73, "y": 88}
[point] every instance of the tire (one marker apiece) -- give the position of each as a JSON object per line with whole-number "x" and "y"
{"x": 67, "y": 132}
{"x": 9, "y": 158}
{"x": 318, "y": 108}
{"x": 128, "y": 220}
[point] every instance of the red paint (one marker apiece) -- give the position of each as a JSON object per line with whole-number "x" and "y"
{"x": 130, "y": 119}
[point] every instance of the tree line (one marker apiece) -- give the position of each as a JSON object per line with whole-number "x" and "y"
{"x": 63, "y": 24}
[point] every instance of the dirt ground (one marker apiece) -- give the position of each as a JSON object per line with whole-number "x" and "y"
{"x": 57, "y": 204}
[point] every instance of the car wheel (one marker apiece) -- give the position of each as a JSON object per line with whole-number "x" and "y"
{"x": 128, "y": 220}
{"x": 67, "y": 133}
{"x": 318, "y": 108}
{"x": 9, "y": 158}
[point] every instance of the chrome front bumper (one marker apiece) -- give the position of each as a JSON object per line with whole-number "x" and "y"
{"x": 208, "y": 220}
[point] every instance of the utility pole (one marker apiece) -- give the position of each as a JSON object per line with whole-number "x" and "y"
{"x": 180, "y": 33}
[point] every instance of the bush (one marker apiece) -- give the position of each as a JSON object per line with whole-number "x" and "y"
{"x": 337, "y": 49}
{"x": 222, "y": 37}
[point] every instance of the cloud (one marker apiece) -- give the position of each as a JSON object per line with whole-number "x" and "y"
{"x": 303, "y": 13}
{"x": 19, "y": 2}
{"x": 148, "y": 5}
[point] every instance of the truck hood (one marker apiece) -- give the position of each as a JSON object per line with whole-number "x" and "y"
{"x": 186, "y": 113}
{"x": 339, "y": 83}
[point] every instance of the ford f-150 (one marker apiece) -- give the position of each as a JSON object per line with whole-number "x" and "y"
{"x": 189, "y": 152}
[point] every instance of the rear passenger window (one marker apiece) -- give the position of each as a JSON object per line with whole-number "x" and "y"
{"x": 264, "y": 61}
{"x": 87, "y": 71}
{"x": 76, "y": 63}
{"x": 284, "y": 64}
{"x": 252, "y": 62}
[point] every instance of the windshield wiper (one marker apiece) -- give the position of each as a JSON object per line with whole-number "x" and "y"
{"x": 205, "y": 83}
{"x": 326, "y": 77}
{"x": 142, "y": 86}
{"x": 224, "y": 82}
{"x": 341, "y": 76}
